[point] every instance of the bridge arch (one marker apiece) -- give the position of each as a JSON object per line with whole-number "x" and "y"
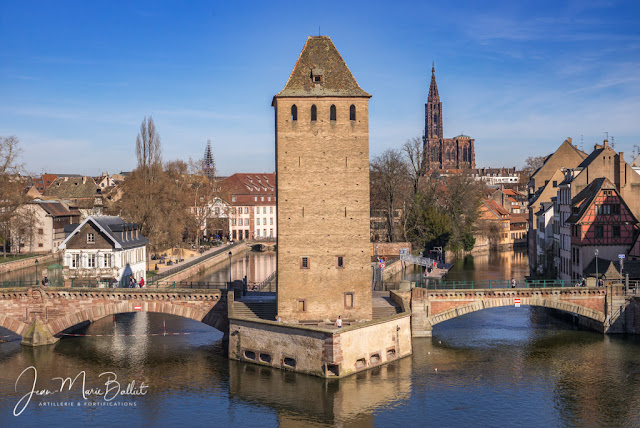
{"x": 479, "y": 305}
{"x": 209, "y": 316}
{"x": 13, "y": 325}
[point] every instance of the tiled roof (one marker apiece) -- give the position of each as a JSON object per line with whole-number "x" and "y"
{"x": 319, "y": 57}
{"x": 246, "y": 186}
{"x": 56, "y": 209}
{"x": 496, "y": 207}
{"x": 583, "y": 199}
{"x": 72, "y": 187}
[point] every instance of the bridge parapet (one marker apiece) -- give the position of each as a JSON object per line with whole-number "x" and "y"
{"x": 431, "y": 307}
{"x": 39, "y": 314}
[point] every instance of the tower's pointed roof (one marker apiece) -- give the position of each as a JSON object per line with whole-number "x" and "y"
{"x": 433, "y": 89}
{"x": 321, "y": 72}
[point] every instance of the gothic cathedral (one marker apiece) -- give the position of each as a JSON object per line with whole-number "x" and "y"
{"x": 444, "y": 153}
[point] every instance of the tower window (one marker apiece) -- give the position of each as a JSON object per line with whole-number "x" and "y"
{"x": 332, "y": 112}
{"x": 314, "y": 113}
{"x": 340, "y": 261}
{"x": 304, "y": 263}
{"x": 294, "y": 112}
{"x": 352, "y": 112}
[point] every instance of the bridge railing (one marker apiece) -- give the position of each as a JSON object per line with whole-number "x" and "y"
{"x": 192, "y": 284}
{"x": 491, "y": 284}
{"x": 20, "y": 283}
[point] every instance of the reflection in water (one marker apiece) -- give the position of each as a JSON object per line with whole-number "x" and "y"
{"x": 493, "y": 265}
{"x": 490, "y": 367}
{"x": 257, "y": 266}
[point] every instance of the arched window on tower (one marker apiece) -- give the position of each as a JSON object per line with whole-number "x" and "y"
{"x": 352, "y": 112}
{"x": 294, "y": 112}
{"x": 314, "y": 113}
{"x": 332, "y": 112}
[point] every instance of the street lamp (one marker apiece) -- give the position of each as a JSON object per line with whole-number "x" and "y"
{"x": 597, "y": 277}
{"x": 229, "y": 267}
{"x": 36, "y": 271}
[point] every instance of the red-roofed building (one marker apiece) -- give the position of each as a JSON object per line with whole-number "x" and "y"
{"x": 600, "y": 219}
{"x": 253, "y": 205}
{"x": 494, "y": 226}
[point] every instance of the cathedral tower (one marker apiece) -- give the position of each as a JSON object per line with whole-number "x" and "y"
{"x": 444, "y": 153}
{"x": 322, "y": 171}
{"x": 433, "y": 110}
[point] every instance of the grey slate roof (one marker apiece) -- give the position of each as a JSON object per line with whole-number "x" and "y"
{"x": 320, "y": 56}
{"x": 114, "y": 227}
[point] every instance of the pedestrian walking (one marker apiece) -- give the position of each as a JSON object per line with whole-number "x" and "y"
{"x": 141, "y": 282}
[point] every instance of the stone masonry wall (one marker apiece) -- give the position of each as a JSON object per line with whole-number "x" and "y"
{"x": 323, "y": 209}
{"x": 314, "y": 351}
{"x": 59, "y": 309}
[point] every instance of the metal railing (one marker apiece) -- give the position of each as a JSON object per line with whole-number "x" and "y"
{"x": 198, "y": 285}
{"x": 267, "y": 285}
{"x": 432, "y": 284}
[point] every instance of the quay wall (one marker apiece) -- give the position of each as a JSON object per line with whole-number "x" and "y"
{"x": 187, "y": 273}
{"x": 43, "y": 261}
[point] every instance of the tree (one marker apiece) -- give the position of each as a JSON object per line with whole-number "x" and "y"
{"x": 462, "y": 203}
{"x": 389, "y": 180}
{"x": 415, "y": 158}
{"x": 11, "y": 186}
{"x": 204, "y": 189}
{"x": 532, "y": 164}
{"x": 145, "y": 191}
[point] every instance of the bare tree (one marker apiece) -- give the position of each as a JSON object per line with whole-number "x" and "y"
{"x": 12, "y": 193}
{"x": 414, "y": 152}
{"x": 204, "y": 190}
{"x": 148, "y": 148}
{"x": 389, "y": 187}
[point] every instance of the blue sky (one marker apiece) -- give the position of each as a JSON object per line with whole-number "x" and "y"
{"x": 77, "y": 78}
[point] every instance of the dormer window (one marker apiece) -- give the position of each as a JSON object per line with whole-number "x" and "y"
{"x": 316, "y": 75}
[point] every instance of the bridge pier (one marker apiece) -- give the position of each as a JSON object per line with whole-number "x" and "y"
{"x": 38, "y": 334}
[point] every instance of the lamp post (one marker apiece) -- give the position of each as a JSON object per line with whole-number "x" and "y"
{"x": 597, "y": 277}
{"x": 36, "y": 271}
{"x": 230, "y": 267}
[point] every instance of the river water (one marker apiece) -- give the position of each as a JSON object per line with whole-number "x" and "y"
{"x": 498, "y": 367}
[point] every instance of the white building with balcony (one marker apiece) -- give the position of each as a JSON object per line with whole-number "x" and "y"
{"x": 104, "y": 249}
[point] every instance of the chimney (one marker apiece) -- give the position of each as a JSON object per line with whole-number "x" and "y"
{"x": 606, "y": 143}
{"x": 84, "y": 180}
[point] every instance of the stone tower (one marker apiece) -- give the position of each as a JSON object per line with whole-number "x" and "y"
{"x": 433, "y": 110}
{"x": 322, "y": 172}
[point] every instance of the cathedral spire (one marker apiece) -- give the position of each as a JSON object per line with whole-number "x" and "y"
{"x": 208, "y": 164}
{"x": 433, "y": 89}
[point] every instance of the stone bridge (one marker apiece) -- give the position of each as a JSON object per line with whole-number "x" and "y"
{"x": 40, "y": 314}
{"x": 431, "y": 307}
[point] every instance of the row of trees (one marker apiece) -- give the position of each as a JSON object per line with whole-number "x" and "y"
{"x": 420, "y": 206}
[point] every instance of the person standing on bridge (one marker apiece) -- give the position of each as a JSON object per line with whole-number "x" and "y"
{"x": 141, "y": 282}
{"x": 513, "y": 283}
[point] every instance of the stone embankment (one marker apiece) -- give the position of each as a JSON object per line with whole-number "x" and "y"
{"x": 43, "y": 260}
